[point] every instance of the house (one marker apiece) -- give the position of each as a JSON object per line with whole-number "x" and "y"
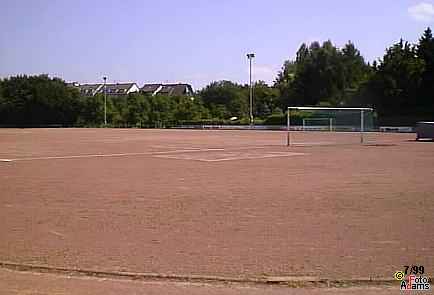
{"x": 118, "y": 89}
{"x": 176, "y": 90}
{"x": 72, "y": 84}
{"x": 179, "y": 89}
{"x": 89, "y": 89}
{"x": 151, "y": 89}
{"x": 112, "y": 89}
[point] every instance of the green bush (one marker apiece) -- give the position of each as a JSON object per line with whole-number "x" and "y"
{"x": 275, "y": 120}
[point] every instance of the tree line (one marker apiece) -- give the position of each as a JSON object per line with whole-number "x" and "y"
{"x": 399, "y": 86}
{"x": 44, "y": 101}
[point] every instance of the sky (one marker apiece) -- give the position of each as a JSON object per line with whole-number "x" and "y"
{"x": 191, "y": 41}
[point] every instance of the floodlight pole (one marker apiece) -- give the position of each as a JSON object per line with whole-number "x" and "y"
{"x": 105, "y": 101}
{"x": 250, "y": 56}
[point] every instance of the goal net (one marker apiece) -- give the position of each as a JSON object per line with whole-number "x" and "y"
{"x": 319, "y": 125}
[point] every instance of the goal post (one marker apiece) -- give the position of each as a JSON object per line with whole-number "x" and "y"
{"x": 337, "y": 119}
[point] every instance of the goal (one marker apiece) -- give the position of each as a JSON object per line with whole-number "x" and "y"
{"x": 343, "y": 124}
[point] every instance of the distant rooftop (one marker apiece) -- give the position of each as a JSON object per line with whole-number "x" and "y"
{"x": 177, "y": 89}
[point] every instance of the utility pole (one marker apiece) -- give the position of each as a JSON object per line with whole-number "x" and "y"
{"x": 250, "y": 56}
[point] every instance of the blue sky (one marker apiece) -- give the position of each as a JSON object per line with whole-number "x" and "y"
{"x": 191, "y": 41}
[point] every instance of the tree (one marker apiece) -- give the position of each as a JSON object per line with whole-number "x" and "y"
{"x": 397, "y": 80}
{"x": 283, "y": 82}
{"x": 265, "y": 99}
{"x": 316, "y": 75}
{"x": 322, "y": 74}
{"x": 425, "y": 51}
{"x": 225, "y": 99}
{"x": 189, "y": 109}
{"x": 137, "y": 109}
{"x": 91, "y": 110}
{"x": 356, "y": 70}
{"x": 38, "y": 100}
{"x": 161, "y": 110}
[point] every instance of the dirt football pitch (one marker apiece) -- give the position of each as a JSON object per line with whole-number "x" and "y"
{"x": 212, "y": 207}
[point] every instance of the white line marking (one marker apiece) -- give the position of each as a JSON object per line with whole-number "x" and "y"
{"x": 56, "y": 233}
{"x": 150, "y": 153}
{"x": 253, "y": 157}
{"x": 385, "y": 242}
{"x": 79, "y": 156}
{"x": 312, "y": 143}
{"x": 186, "y": 151}
{"x": 174, "y": 147}
{"x": 234, "y": 158}
{"x": 113, "y": 155}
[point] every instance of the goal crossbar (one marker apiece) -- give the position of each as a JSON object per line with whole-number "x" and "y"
{"x": 361, "y": 110}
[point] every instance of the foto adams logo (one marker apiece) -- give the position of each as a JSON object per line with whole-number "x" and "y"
{"x": 413, "y": 279}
